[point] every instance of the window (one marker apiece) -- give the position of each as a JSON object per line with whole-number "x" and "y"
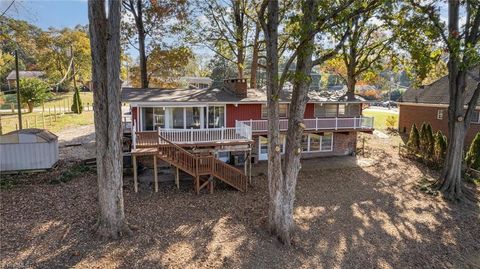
{"x": 476, "y": 117}
{"x": 176, "y": 119}
{"x": 326, "y": 110}
{"x": 158, "y": 117}
{"x": 440, "y": 114}
{"x": 341, "y": 110}
{"x": 192, "y": 117}
{"x": 315, "y": 142}
{"x": 147, "y": 118}
{"x": 282, "y": 111}
{"x": 216, "y": 117}
{"x": 263, "y": 145}
{"x": 327, "y": 142}
{"x": 305, "y": 142}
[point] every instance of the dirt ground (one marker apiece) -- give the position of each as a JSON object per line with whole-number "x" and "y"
{"x": 368, "y": 213}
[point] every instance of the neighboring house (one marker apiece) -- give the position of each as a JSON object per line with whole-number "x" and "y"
{"x": 233, "y": 119}
{"x": 197, "y": 82}
{"x": 12, "y": 77}
{"x": 430, "y": 104}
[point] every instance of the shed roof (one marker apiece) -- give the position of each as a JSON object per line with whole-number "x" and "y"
{"x": 438, "y": 91}
{"x": 25, "y": 74}
{"x": 216, "y": 95}
{"x": 44, "y": 134}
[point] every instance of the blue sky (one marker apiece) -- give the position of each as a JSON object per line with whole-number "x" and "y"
{"x": 48, "y": 13}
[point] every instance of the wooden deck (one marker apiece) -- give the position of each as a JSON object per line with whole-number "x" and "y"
{"x": 203, "y": 167}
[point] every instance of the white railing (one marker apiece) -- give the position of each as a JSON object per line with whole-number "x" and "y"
{"x": 134, "y": 135}
{"x": 240, "y": 132}
{"x": 315, "y": 124}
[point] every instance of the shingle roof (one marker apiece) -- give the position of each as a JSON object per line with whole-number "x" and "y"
{"x": 25, "y": 74}
{"x": 437, "y": 92}
{"x": 216, "y": 95}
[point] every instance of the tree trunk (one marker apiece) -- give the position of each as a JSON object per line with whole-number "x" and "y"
{"x": 351, "y": 81}
{"x": 105, "y": 47}
{"x": 276, "y": 217}
{"x": 254, "y": 66}
{"x": 30, "y": 107}
{"x": 141, "y": 45}
{"x": 282, "y": 185}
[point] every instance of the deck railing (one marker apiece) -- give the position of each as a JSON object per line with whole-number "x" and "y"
{"x": 240, "y": 132}
{"x": 315, "y": 124}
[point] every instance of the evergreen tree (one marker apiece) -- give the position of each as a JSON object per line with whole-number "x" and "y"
{"x": 440, "y": 146}
{"x": 473, "y": 155}
{"x": 77, "y": 103}
{"x": 423, "y": 138}
{"x": 414, "y": 139}
{"x": 430, "y": 142}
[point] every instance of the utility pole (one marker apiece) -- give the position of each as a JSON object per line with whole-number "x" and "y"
{"x": 19, "y": 108}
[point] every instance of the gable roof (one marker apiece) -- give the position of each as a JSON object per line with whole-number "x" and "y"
{"x": 25, "y": 74}
{"x": 216, "y": 95}
{"x": 437, "y": 92}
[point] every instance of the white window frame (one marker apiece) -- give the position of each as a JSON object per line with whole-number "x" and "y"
{"x": 440, "y": 114}
{"x": 265, "y": 110}
{"x": 321, "y": 141}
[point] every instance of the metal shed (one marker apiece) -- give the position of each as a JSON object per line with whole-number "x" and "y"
{"x": 28, "y": 149}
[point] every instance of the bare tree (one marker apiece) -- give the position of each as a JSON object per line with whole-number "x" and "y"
{"x": 105, "y": 47}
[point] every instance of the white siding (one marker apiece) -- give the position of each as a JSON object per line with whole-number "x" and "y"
{"x": 28, "y": 156}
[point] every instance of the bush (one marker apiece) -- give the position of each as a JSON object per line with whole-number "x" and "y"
{"x": 414, "y": 139}
{"x": 77, "y": 102}
{"x": 430, "y": 142}
{"x": 33, "y": 92}
{"x": 473, "y": 155}
{"x": 390, "y": 122}
{"x": 440, "y": 148}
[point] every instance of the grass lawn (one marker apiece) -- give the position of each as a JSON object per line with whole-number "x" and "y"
{"x": 58, "y": 100}
{"x": 380, "y": 118}
{"x": 68, "y": 120}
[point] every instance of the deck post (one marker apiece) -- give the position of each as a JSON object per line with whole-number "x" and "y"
{"x": 155, "y": 172}
{"x": 177, "y": 179}
{"x": 354, "y": 122}
{"x": 336, "y": 123}
{"x": 210, "y": 184}
{"x": 134, "y": 160}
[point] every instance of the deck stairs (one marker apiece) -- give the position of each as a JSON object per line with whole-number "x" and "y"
{"x": 201, "y": 166}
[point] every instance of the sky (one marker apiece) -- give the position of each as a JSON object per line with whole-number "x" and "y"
{"x": 59, "y": 14}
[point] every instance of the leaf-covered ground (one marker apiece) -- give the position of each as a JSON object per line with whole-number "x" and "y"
{"x": 364, "y": 213}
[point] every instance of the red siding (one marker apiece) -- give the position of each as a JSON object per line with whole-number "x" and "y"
{"x": 134, "y": 115}
{"x": 254, "y": 112}
{"x": 243, "y": 112}
{"x": 309, "y": 111}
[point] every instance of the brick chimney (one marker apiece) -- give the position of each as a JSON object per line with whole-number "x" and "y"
{"x": 237, "y": 86}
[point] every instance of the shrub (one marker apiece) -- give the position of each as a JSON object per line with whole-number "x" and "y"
{"x": 77, "y": 102}
{"x": 33, "y": 91}
{"x": 390, "y": 122}
{"x": 440, "y": 148}
{"x": 423, "y": 137}
{"x": 473, "y": 155}
{"x": 414, "y": 139}
{"x": 430, "y": 142}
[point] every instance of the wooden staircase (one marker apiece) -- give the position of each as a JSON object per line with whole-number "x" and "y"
{"x": 200, "y": 165}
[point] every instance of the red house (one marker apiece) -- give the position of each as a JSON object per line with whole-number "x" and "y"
{"x": 430, "y": 104}
{"x": 234, "y": 118}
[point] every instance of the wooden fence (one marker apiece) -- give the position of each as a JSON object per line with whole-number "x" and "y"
{"x": 37, "y": 119}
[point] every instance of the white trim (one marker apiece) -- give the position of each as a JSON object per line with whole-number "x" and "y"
{"x": 198, "y": 103}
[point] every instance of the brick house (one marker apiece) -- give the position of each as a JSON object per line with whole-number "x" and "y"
{"x": 430, "y": 104}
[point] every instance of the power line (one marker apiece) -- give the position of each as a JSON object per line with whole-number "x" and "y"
{"x": 11, "y": 4}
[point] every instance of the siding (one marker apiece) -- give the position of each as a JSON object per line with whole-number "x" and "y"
{"x": 420, "y": 114}
{"x": 254, "y": 112}
{"x": 243, "y": 112}
{"x": 28, "y": 156}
